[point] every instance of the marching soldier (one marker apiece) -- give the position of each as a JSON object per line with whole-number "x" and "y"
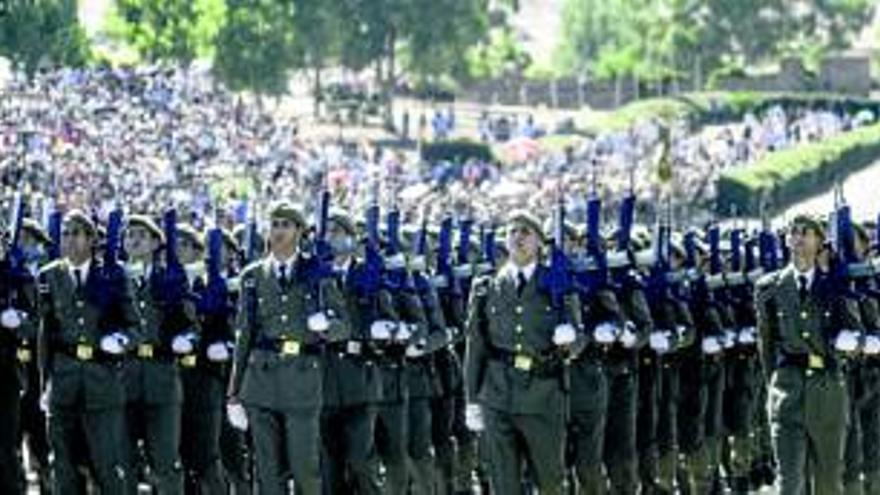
{"x": 352, "y": 383}
{"x": 517, "y": 344}
{"x": 199, "y": 352}
{"x": 86, "y": 314}
{"x": 870, "y": 410}
{"x": 802, "y": 323}
{"x": 152, "y": 382}
{"x": 276, "y": 383}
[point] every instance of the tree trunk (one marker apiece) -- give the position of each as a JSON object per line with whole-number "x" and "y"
{"x": 316, "y": 106}
{"x": 388, "y": 97}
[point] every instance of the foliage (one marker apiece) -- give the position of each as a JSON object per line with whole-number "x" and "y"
{"x": 457, "y": 151}
{"x": 42, "y": 29}
{"x": 789, "y": 175}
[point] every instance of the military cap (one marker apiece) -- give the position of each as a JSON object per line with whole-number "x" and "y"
{"x": 147, "y": 223}
{"x": 239, "y": 233}
{"x": 188, "y": 232}
{"x": 30, "y": 226}
{"x": 81, "y": 219}
{"x": 523, "y": 217}
{"x": 342, "y": 219}
{"x": 808, "y": 222}
{"x": 287, "y": 210}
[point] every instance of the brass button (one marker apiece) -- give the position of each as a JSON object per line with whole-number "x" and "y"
{"x": 143, "y": 321}
{"x": 809, "y": 373}
{"x": 79, "y": 303}
{"x": 143, "y": 304}
{"x": 519, "y": 310}
{"x": 283, "y": 298}
{"x": 81, "y": 321}
{"x": 518, "y": 346}
{"x": 804, "y": 315}
{"x": 519, "y": 329}
{"x": 284, "y": 318}
{"x": 805, "y": 335}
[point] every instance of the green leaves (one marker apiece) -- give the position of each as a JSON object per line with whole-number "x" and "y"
{"x": 38, "y": 30}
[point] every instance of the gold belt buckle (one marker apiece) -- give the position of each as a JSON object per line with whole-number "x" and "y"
{"x": 24, "y": 355}
{"x": 290, "y": 348}
{"x": 84, "y": 352}
{"x": 145, "y": 351}
{"x": 815, "y": 361}
{"x": 522, "y": 362}
{"x": 188, "y": 361}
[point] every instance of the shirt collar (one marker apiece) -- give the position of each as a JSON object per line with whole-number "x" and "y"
{"x": 83, "y": 270}
{"x": 287, "y": 263}
{"x": 809, "y": 275}
{"x": 514, "y": 270}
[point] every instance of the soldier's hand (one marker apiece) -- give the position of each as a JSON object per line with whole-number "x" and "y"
{"x": 381, "y": 329}
{"x": 659, "y": 341}
{"x": 473, "y": 417}
{"x": 872, "y": 345}
{"x": 605, "y": 333}
{"x": 236, "y": 415}
{"x": 218, "y": 352}
{"x": 564, "y": 334}
{"x": 404, "y": 332}
{"x": 318, "y": 322}
{"x": 11, "y": 318}
{"x": 628, "y": 336}
{"x": 730, "y": 338}
{"x": 183, "y": 343}
{"x": 847, "y": 341}
{"x": 415, "y": 350}
{"x": 710, "y": 345}
{"x": 114, "y": 343}
{"x": 748, "y": 336}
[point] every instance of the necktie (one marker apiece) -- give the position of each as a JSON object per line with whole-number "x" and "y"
{"x": 77, "y": 277}
{"x": 802, "y": 287}
{"x": 282, "y": 276}
{"x": 520, "y": 283}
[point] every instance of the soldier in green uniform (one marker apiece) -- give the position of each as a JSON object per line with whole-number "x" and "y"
{"x": 17, "y": 329}
{"x": 278, "y": 372}
{"x": 85, "y": 333}
{"x": 152, "y": 382}
{"x": 621, "y": 455}
{"x": 804, "y": 327}
{"x": 352, "y": 384}
{"x": 870, "y": 406}
{"x": 200, "y": 352}
{"x": 35, "y": 245}
{"x": 516, "y": 349}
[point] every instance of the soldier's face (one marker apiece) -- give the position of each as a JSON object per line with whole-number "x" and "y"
{"x": 139, "y": 242}
{"x": 804, "y": 243}
{"x": 187, "y": 251}
{"x": 284, "y": 234}
{"x": 523, "y": 243}
{"x": 76, "y": 242}
{"x": 340, "y": 240}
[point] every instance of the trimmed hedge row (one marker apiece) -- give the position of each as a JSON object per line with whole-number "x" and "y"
{"x": 791, "y": 175}
{"x": 719, "y": 107}
{"x": 456, "y": 151}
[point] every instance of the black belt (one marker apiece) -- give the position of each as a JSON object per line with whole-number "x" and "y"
{"x": 288, "y": 347}
{"x": 813, "y": 362}
{"x": 548, "y": 366}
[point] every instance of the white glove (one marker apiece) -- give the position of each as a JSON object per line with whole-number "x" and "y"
{"x": 748, "y": 336}
{"x": 730, "y": 338}
{"x": 183, "y": 344}
{"x": 628, "y": 336}
{"x": 114, "y": 343}
{"x": 473, "y": 417}
{"x": 415, "y": 350}
{"x": 872, "y": 345}
{"x": 318, "y": 322}
{"x": 403, "y": 332}
{"x": 44, "y": 400}
{"x": 711, "y": 346}
{"x": 564, "y": 334}
{"x": 11, "y": 318}
{"x": 396, "y": 262}
{"x": 381, "y": 329}
{"x": 847, "y": 341}
{"x": 218, "y": 352}
{"x": 659, "y": 341}
{"x": 451, "y": 333}
{"x": 680, "y": 331}
{"x": 605, "y": 333}
{"x": 237, "y": 416}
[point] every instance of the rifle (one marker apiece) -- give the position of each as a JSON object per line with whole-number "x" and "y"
{"x": 320, "y": 259}
{"x": 215, "y": 299}
{"x": 445, "y": 280}
{"x": 396, "y": 276}
{"x": 487, "y": 250}
{"x": 17, "y": 274}
{"x": 556, "y": 281}
{"x": 367, "y": 279}
{"x": 174, "y": 285}
{"x": 591, "y": 271}
{"x": 463, "y": 270}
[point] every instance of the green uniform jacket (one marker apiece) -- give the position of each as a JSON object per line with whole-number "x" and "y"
{"x": 271, "y": 319}
{"x": 502, "y": 324}
{"x": 351, "y": 374}
{"x": 71, "y": 318}
{"x": 156, "y": 379}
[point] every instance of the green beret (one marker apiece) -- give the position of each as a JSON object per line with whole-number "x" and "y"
{"x": 523, "y": 217}
{"x": 808, "y": 222}
{"x": 80, "y": 218}
{"x": 31, "y": 227}
{"x": 147, "y": 223}
{"x": 287, "y": 210}
{"x": 188, "y": 232}
{"x": 342, "y": 219}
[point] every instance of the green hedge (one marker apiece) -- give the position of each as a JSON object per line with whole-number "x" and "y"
{"x": 791, "y": 175}
{"x": 457, "y": 151}
{"x": 719, "y": 107}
